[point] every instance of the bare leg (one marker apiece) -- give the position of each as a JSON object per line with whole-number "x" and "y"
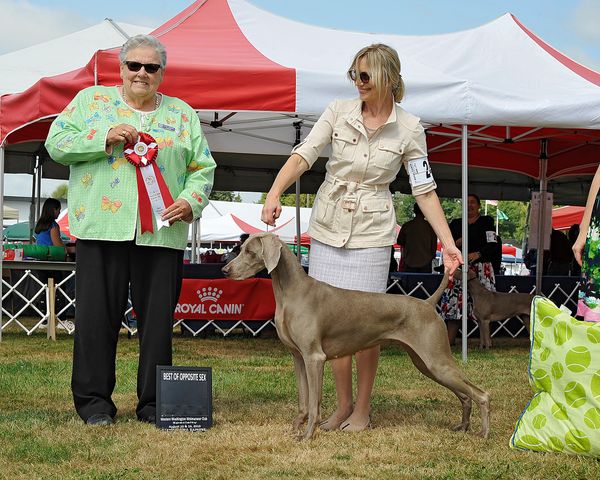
{"x": 366, "y": 368}
{"x": 342, "y": 373}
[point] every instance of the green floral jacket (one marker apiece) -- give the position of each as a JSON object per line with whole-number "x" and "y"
{"x": 103, "y": 194}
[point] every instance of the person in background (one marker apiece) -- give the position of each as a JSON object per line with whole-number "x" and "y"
{"x": 353, "y": 222}
{"x": 235, "y": 251}
{"x": 47, "y": 230}
{"x": 131, "y": 199}
{"x": 575, "y": 270}
{"x": 561, "y": 254}
{"x": 483, "y": 247}
{"x": 496, "y": 260}
{"x": 586, "y": 250}
{"x": 419, "y": 243}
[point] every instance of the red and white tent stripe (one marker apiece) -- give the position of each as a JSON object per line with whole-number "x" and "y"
{"x": 231, "y": 60}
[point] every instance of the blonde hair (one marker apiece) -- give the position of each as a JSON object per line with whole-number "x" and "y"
{"x": 384, "y": 69}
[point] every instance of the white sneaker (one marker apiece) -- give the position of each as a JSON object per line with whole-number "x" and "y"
{"x": 65, "y": 325}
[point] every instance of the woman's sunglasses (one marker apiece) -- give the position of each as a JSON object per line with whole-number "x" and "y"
{"x": 364, "y": 76}
{"x": 137, "y": 66}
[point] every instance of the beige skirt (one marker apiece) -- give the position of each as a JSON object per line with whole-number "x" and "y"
{"x": 363, "y": 269}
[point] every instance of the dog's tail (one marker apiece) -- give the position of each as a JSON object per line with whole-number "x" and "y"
{"x": 435, "y": 297}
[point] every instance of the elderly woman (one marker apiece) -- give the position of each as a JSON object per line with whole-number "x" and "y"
{"x": 353, "y": 220}
{"x": 141, "y": 170}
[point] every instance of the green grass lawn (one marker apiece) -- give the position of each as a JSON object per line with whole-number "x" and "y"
{"x": 254, "y": 405}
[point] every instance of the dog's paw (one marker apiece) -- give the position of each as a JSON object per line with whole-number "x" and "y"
{"x": 484, "y": 434}
{"x": 461, "y": 427}
{"x": 298, "y": 422}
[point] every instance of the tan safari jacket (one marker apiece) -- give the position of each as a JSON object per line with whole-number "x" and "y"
{"x": 354, "y": 208}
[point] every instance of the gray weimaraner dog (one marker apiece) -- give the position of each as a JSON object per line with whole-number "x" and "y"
{"x": 319, "y": 322}
{"x": 493, "y": 306}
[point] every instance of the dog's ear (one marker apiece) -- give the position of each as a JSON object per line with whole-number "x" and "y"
{"x": 271, "y": 251}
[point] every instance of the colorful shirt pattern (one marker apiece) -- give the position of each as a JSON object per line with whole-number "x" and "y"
{"x": 588, "y": 306}
{"x": 103, "y": 194}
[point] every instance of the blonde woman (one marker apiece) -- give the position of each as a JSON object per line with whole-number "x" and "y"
{"x": 353, "y": 221}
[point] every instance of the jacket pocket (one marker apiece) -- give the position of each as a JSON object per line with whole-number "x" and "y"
{"x": 324, "y": 212}
{"x": 377, "y": 214}
{"x": 389, "y": 154}
{"x": 343, "y": 142}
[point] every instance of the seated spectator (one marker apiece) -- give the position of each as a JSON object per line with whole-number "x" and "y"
{"x": 235, "y": 251}
{"x": 418, "y": 242}
{"x": 47, "y": 230}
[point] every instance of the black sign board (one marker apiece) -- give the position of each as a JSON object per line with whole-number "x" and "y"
{"x": 183, "y": 398}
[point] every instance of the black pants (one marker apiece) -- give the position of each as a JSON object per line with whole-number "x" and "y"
{"x": 105, "y": 271}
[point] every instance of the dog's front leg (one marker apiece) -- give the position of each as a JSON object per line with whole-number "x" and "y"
{"x": 314, "y": 363}
{"x": 485, "y": 340}
{"x": 302, "y": 384}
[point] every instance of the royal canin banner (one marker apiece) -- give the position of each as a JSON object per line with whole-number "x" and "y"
{"x": 224, "y": 299}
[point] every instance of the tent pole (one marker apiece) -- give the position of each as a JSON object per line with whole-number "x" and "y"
{"x": 465, "y": 236}
{"x": 32, "y": 218}
{"x": 539, "y": 263}
{"x": 297, "y": 127}
{"x": 36, "y": 194}
{"x": 194, "y": 232}
{"x": 1, "y": 248}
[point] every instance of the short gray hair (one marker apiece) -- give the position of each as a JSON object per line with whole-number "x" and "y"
{"x": 144, "y": 41}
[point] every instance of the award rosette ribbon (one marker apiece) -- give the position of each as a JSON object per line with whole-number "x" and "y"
{"x": 153, "y": 193}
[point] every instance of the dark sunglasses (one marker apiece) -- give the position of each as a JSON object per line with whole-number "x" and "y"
{"x": 364, "y": 76}
{"x": 136, "y": 66}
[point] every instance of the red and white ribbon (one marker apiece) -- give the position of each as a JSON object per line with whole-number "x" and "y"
{"x": 153, "y": 193}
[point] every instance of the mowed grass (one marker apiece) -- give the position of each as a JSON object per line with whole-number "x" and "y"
{"x": 254, "y": 405}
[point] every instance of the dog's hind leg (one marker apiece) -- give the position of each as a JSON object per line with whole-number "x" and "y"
{"x": 302, "y": 383}
{"x": 439, "y": 365}
{"x": 451, "y": 377}
{"x": 464, "y": 399}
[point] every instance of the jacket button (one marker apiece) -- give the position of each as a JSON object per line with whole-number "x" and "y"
{"x": 365, "y": 155}
{"x": 335, "y": 134}
{"x": 354, "y": 140}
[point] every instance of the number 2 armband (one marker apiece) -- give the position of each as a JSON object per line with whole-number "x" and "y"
{"x": 419, "y": 172}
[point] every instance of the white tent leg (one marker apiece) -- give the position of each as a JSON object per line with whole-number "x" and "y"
{"x": 465, "y": 236}
{"x": 194, "y": 244}
{"x": 298, "y": 228}
{"x": 297, "y": 127}
{"x": 1, "y": 207}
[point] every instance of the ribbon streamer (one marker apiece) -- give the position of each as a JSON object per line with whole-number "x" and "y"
{"x": 153, "y": 193}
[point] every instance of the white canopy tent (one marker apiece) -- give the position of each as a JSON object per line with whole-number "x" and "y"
{"x": 22, "y": 68}
{"x": 226, "y": 221}
{"x": 496, "y": 92}
{"x": 9, "y": 213}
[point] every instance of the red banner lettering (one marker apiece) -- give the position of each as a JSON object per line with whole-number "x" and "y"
{"x": 224, "y": 299}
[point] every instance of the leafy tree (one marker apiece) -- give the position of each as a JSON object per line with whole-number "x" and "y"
{"x": 61, "y": 191}
{"x": 289, "y": 199}
{"x": 452, "y": 208}
{"x": 512, "y": 230}
{"x": 225, "y": 196}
